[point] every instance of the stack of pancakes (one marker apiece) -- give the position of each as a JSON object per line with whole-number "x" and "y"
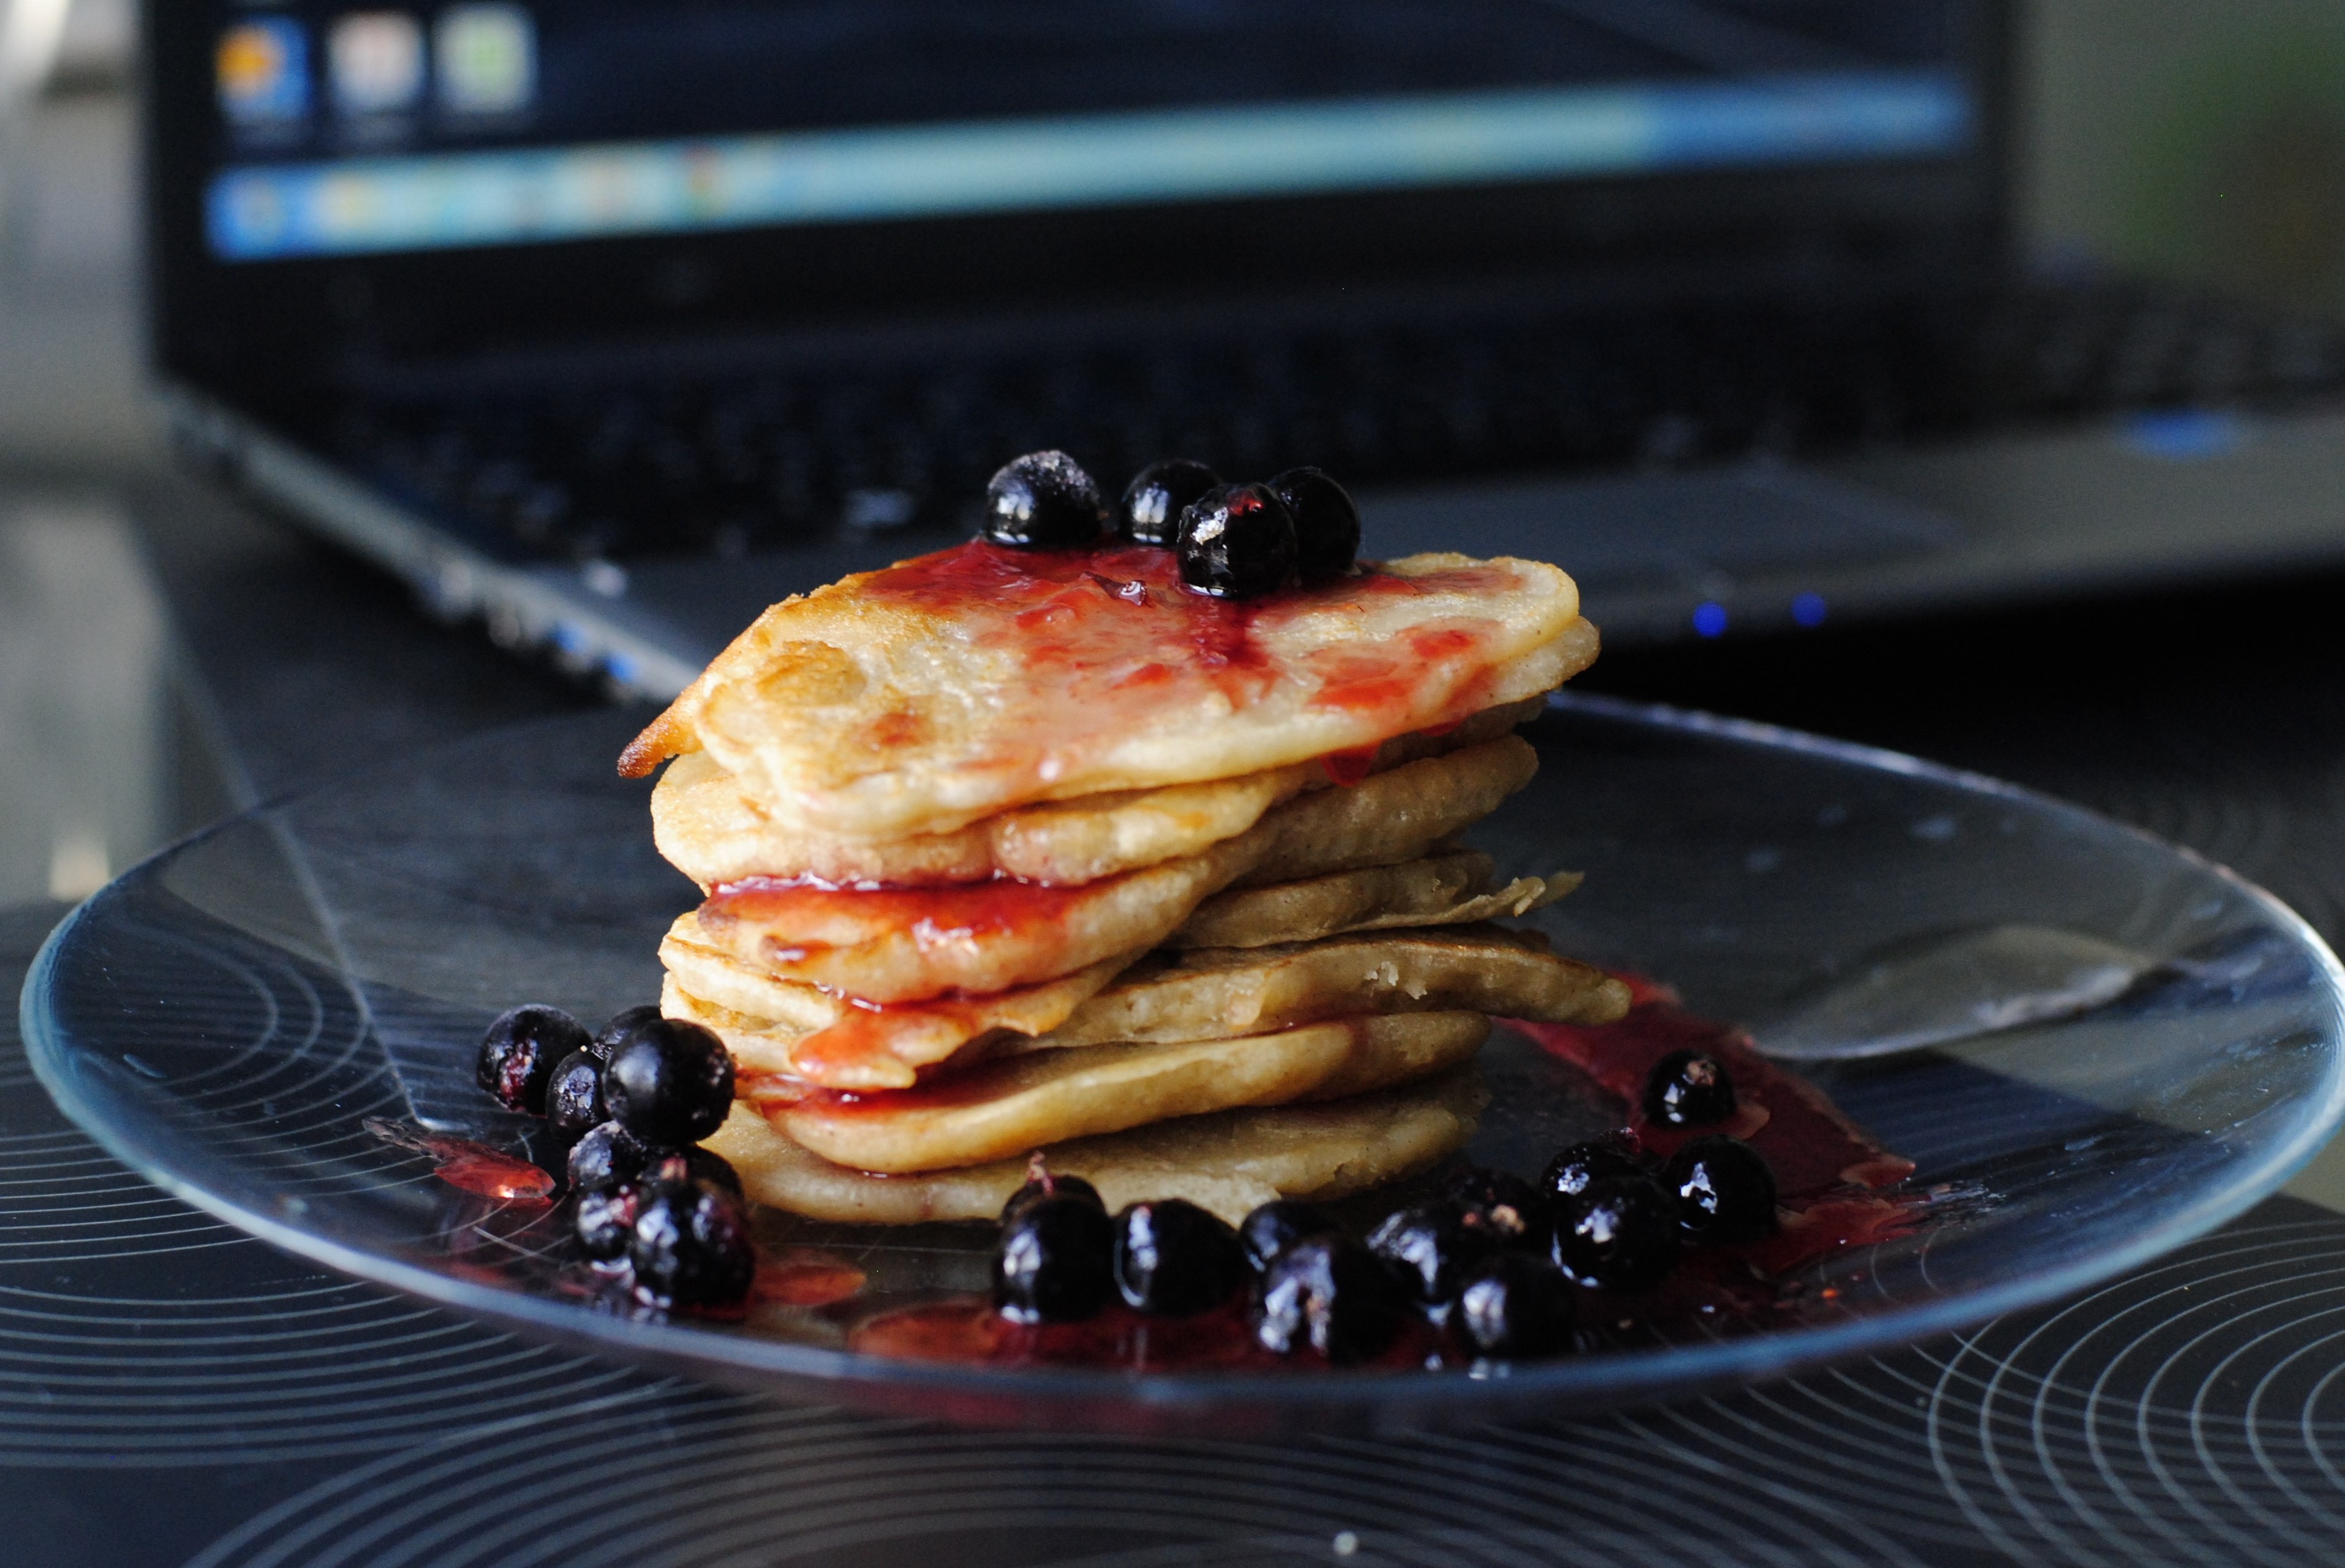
{"x": 1008, "y": 853}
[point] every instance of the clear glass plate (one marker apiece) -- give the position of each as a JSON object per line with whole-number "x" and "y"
{"x": 229, "y": 1016}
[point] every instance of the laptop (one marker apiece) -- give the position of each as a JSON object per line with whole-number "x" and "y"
{"x": 611, "y": 321}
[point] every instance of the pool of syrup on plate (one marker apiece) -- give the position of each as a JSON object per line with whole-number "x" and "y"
{"x": 1836, "y": 1188}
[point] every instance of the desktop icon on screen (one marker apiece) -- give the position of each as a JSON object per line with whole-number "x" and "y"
{"x": 376, "y": 62}
{"x": 263, "y": 71}
{"x": 487, "y": 59}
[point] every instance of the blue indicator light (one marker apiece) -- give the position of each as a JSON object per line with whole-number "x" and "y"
{"x": 2185, "y": 435}
{"x": 1709, "y": 619}
{"x": 1808, "y": 609}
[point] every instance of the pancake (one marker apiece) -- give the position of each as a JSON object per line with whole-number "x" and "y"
{"x": 1247, "y": 991}
{"x": 1393, "y": 816}
{"x": 1228, "y": 1162}
{"x": 919, "y": 699}
{"x": 1441, "y": 890}
{"x": 1205, "y": 995}
{"x": 709, "y": 828}
{"x": 889, "y": 946}
{"x": 999, "y": 1109}
{"x": 864, "y": 1050}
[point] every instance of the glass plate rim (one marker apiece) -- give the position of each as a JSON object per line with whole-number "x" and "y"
{"x": 1613, "y": 1377}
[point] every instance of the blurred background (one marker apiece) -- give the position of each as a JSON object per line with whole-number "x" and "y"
{"x": 2181, "y": 139}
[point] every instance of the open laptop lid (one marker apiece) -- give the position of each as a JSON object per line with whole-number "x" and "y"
{"x": 331, "y": 185}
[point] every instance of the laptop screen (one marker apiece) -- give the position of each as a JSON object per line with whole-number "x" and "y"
{"x": 341, "y": 131}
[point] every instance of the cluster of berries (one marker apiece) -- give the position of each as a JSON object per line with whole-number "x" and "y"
{"x": 632, "y": 1102}
{"x": 1499, "y": 1261}
{"x": 1232, "y": 540}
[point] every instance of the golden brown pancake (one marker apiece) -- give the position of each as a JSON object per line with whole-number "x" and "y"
{"x": 710, "y": 829}
{"x": 888, "y": 948}
{"x": 1228, "y": 1162}
{"x": 856, "y": 1048}
{"x": 1254, "y": 990}
{"x": 1393, "y": 816}
{"x": 919, "y": 699}
{"x": 1450, "y": 889}
{"x": 901, "y": 947}
{"x": 994, "y": 1110}
{"x": 1201, "y": 995}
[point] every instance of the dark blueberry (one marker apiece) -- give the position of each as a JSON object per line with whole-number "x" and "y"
{"x": 1516, "y": 1305}
{"x": 670, "y": 1083}
{"x": 1279, "y": 1224}
{"x": 1334, "y": 1295}
{"x": 713, "y": 1168}
{"x": 519, "y": 1053}
{"x": 666, "y": 1167}
{"x": 690, "y": 1245}
{"x": 1432, "y": 1247}
{"x": 1689, "y": 1088}
{"x": 1326, "y": 523}
{"x": 1174, "y": 1260}
{"x": 605, "y": 1219}
{"x": 1150, "y": 513}
{"x": 1506, "y": 1209}
{"x": 1055, "y": 1262}
{"x": 1618, "y": 1233}
{"x": 621, "y": 1030}
{"x": 1237, "y": 542}
{"x": 573, "y": 1101}
{"x": 1043, "y": 500}
{"x": 1569, "y": 1174}
{"x": 605, "y": 1156}
{"x": 1725, "y": 1189}
{"x": 1042, "y": 1184}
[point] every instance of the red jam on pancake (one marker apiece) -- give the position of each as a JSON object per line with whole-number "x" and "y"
{"x": 964, "y": 683}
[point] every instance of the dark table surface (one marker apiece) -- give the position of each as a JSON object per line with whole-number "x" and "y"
{"x": 172, "y": 1391}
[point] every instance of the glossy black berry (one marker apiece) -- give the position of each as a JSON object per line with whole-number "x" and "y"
{"x": 1326, "y": 523}
{"x": 1725, "y": 1189}
{"x": 1432, "y": 1247}
{"x": 713, "y": 1168}
{"x": 1517, "y": 1304}
{"x": 1055, "y": 1262}
{"x": 691, "y": 1246}
{"x": 520, "y": 1052}
{"x": 1332, "y": 1295}
{"x": 1049, "y": 1184}
{"x": 1689, "y": 1088}
{"x": 666, "y": 1168}
{"x": 1569, "y": 1174}
{"x": 1150, "y": 513}
{"x": 605, "y": 1220}
{"x": 1620, "y": 1233}
{"x": 1237, "y": 542}
{"x": 621, "y": 1030}
{"x": 670, "y": 1083}
{"x": 1508, "y": 1210}
{"x": 605, "y": 1156}
{"x": 1043, "y": 500}
{"x": 1279, "y": 1224}
{"x": 1173, "y": 1259}
{"x": 574, "y": 1098}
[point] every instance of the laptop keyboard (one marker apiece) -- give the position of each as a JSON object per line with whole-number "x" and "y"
{"x": 746, "y": 461}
